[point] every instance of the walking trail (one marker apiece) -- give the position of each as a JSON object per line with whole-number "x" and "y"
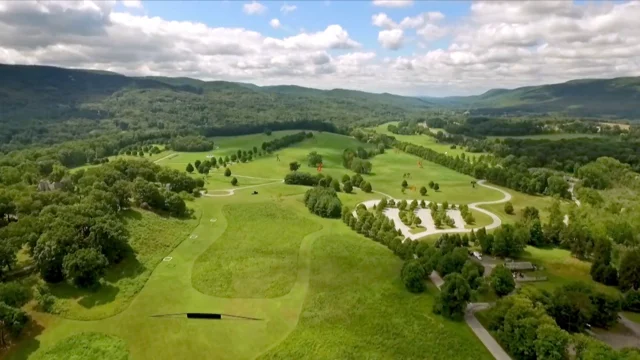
{"x": 393, "y": 214}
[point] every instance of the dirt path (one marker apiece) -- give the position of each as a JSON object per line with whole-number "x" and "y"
{"x": 406, "y": 231}
{"x": 229, "y": 192}
{"x": 470, "y": 318}
{"x": 166, "y": 157}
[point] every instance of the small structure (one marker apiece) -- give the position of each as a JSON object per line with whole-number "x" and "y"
{"x": 46, "y": 185}
{"x": 520, "y": 266}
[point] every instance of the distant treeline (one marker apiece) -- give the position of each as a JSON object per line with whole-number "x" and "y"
{"x": 247, "y": 129}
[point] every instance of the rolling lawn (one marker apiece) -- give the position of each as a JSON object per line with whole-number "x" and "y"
{"x": 425, "y": 140}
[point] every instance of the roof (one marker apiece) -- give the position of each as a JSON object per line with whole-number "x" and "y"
{"x": 525, "y": 265}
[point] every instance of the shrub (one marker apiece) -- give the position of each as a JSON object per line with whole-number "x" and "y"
{"x": 366, "y": 187}
{"x": 14, "y": 294}
{"x": 227, "y": 172}
{"x": 301, "y": 178}
{"x": 508, "y": 208}
{"x": 234, "y": 181}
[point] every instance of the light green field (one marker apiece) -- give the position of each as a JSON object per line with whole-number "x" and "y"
{"x": 88, "y": 346}
{"x": 425, "y": 140}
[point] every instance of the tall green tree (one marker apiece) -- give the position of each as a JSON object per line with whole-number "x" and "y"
{"x": 454, "y": 295}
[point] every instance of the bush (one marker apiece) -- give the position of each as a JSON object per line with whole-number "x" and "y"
{"x": 234, "y": 181}
{"x": 227, "y": 172}
{"x": 508, "y": 208}
{"x": 632, "y": 301}
{"x": 423, "y": 191}
{"x": 44, "y": 298}
{"x": 323, "y": 202}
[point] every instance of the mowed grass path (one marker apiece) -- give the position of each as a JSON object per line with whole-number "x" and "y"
{"x": 358, "y": 308}
{"x": 257, "y": 257}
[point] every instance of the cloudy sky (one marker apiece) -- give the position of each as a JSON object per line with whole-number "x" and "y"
{"x": 399, "y": 46}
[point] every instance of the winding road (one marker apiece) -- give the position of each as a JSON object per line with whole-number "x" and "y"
{"x": 393, "y": 214}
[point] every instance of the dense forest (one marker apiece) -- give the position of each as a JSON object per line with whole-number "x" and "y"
{"x": 48, "y": 105}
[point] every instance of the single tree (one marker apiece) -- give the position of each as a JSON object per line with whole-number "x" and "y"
{"x": 335, "y": 184}
{"x": 190, "y": 168}
{"x": 502, "y": 281}
{"x": 436, "y": 187}
{"x": 197, "y": 163}
{"x": 423, "y": 191}
{"x": 431, "y": 184}
{"x": 412, "y": 275}
{"x": 347, "y": 187}
{"x": 366, "y": 186}
{"x": 293, "y": 166}
{"x": 12, "y": 322}
{"x": 404, "y": 184}
{"x": 85, "y": 267}
{"x": 234, "y": 181}
{"x": 345, "y": 178}
{"x": 629, "y": 273}
{"x": 453, "y": 297}
{"x": 227, "y": 172}
{"x": 314, "y": 159}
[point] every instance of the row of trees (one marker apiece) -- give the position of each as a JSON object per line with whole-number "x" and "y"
{"x": 287, "y": 140}
{"x": 515, "y": 177}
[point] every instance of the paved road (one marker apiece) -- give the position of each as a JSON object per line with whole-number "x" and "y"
{"x": 406, "y": 231}
{"x": 469, "y": 317}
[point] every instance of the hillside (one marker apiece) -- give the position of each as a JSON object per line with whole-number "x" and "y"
{"x": 42, "y": 104}
{"x": 616, "y": 98}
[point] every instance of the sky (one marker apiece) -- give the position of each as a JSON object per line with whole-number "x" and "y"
{"x": 427, "y": 48}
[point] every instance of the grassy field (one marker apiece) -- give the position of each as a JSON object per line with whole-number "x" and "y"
{"x": 88, "y": 346}
{"x": 520, "y": 201}
{"x": 352, "y": 284}
{"x": 257, "y": 255}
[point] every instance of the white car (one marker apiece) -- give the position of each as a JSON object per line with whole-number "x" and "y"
{"x": 477, "y": 255}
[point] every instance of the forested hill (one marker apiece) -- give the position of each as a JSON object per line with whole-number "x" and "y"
{"x": 45, "y": 105}
{"x": 617, "y": 98}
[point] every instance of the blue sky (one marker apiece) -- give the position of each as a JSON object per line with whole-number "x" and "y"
{"x": 310, "y": 16}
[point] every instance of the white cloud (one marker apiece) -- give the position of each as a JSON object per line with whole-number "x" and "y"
{"x": 498, "y": 45}
{"x": 393, "y": 3}
{"x": 285, "y": 9}
{"x": 391, "y": 39}
{"x": 275, "y": 23}
{"x": 254, "y": 8}
{"x": 383, "y": 21}
{"x": 132, "y": 3}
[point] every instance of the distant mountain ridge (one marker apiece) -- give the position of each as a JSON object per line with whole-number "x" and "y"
{"x": 616, "y": 98}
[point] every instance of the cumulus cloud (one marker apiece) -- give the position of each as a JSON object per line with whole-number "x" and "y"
{"x": 391, "y": 39}
{"x": 498, "y": 45}
{"x": 393, "y": 3}
{"x": 275, "y": 23}
{"x": 254, "y": 8}
{"x": 285, "y": 9}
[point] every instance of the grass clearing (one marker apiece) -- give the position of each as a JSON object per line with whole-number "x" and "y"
{"x": 258, "y": 254}
{"x": 88, "y": 346}
{"x": 355, "y": 283}
{"x": 152, "y": 237}
{"x": 561, "y": 268}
